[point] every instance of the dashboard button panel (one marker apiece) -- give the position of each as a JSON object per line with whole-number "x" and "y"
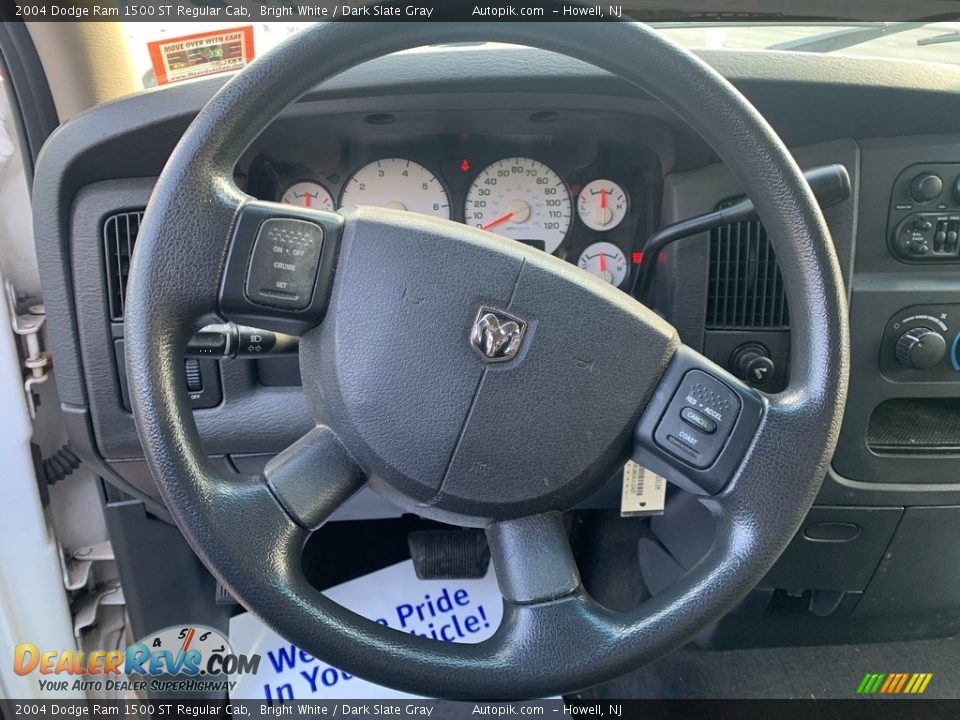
{"x": 924, "y": 215}
{"x": 928, "y": 236}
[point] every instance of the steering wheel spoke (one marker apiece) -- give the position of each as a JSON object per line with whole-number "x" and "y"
{"x": 313, "y": 477}
{"x": 698, "y": 424}
{"x": 533, "y": 559}
{"x": 280, "y": 266}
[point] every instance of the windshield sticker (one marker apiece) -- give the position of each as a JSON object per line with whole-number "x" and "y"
{"x": 209, "y": 53}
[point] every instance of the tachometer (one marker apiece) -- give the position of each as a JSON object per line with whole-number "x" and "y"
{"x": 522, "y": 199}
{"x": 308, "y": 194}
{"x": 398, "y": 184}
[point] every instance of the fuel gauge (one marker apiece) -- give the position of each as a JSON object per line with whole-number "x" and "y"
{"x": 308, "y": 194}
{"x": 606, "y": 261}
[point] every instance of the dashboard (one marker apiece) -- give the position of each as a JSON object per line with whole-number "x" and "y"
{"x": 581, "y": 198}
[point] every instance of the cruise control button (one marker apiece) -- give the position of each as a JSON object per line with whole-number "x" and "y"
{"x": 284, "y": 262}
{"x": 698, "y": 420}
{"x": 701, "y": 402}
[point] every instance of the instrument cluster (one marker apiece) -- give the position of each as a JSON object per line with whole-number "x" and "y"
{"x": 582, "y": 214}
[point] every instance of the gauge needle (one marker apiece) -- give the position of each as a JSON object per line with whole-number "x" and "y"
{"x": 499, "y": 221}
{"x": 306, "y": 200}
{"x": 603, "y": 263}
{"x": 605, "y": 214}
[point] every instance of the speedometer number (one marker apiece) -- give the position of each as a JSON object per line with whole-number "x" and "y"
{"x": 523, "y": 199}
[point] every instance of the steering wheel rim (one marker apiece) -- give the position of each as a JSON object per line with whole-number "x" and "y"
{"x": 248, "y": 530}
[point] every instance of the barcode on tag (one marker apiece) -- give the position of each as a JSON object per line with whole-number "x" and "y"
{"x": 643, "y": 491}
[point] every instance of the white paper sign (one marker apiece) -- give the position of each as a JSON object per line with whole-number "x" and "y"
{"x": 644, "y": 491}
{"x": 447, "y": 610}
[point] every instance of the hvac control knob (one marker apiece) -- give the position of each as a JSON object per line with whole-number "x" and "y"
{"x": 926, "y": 187}
{"x": 920, "y": 348}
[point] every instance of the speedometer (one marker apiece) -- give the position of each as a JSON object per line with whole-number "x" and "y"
{"x": 398, "y": 184}
{"x": 522, "y": 199}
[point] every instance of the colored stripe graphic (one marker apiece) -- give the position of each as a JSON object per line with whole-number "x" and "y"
{"x": 913, "y": 683}
{"x": 918, "y": 683}
{"x": 870, "y": 683}
{"x": 894, "y": 683}
{"x": 900, "y": 683}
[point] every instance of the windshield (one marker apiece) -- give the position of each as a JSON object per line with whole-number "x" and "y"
{"x": 926, "y": 42}
{"x": 937, "y": 42}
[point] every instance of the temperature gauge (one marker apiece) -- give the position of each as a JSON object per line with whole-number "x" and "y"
{"x": 602, "y": 205}
{"x": 606, "y": 261}
{"x": 308, "y": 194}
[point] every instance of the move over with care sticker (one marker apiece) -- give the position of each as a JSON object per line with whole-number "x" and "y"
{"x": 209, "y": 53}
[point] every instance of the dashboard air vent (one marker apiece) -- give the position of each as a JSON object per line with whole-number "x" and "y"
{"x": 119, "y": 235}
{"x": 745, "y": 288}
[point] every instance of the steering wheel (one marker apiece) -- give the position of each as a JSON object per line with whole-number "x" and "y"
{"x": 469, "y": 379}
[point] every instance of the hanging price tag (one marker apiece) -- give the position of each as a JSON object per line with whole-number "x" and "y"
{"x": 643, "y": 491}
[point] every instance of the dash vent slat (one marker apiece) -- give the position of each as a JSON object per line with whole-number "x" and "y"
{"x": 745, "y": 288}
{"x": 119, "y": 236}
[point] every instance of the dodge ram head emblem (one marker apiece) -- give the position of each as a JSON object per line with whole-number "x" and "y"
{"x": 497, "y": 335}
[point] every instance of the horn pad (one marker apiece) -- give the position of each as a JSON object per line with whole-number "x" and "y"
{"x": 472, "y": 376}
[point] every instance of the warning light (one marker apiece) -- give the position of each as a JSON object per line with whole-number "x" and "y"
{"x": 465, "y": 166}
{"x": 637, "y": 258}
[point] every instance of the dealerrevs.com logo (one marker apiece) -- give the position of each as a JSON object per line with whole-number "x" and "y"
{"x": 185, "y": 652}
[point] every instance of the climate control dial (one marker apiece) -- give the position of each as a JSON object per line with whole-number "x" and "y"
{"x": 920, "y": 348}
